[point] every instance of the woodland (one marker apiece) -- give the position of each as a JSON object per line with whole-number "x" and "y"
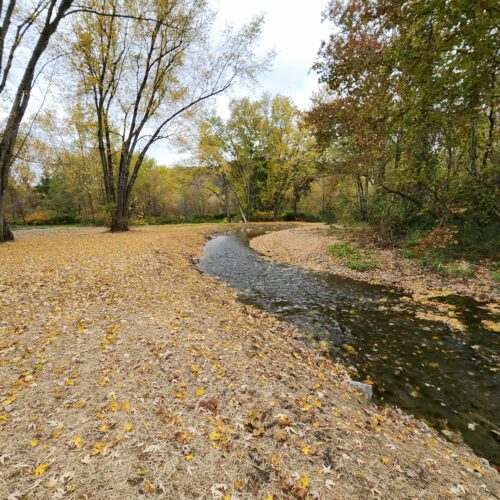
{"x": 402, "y": 134}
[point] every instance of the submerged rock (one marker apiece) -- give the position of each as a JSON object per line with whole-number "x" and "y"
{"x": 366, "y": 388}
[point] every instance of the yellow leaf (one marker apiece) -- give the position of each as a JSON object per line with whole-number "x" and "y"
{"x": 148, "y": 487}
{"x": 200, "y": 392}
{"x": 76, "y": 442}
{"x": 284, "y": 420}
{"x": 127, "y": 427}
{"x": 114, "y": 406}
{"x": 100, "y": 416}
{"x": 55, "y": 433}
{"x": 9, "y": 401}
{"x": 41, "y": 469}
{"x": 34, "y": 442}
{"x": 98, "y": 448}
{"x": 215, "y": 436}
{"x": 4, "y": 417}
{"x": 303, "y": 481}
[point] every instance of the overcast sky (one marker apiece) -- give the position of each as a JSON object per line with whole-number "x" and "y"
{"x": 293, "y": 28}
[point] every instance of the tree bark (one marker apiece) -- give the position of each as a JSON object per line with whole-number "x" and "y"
{"x": 120, "y": 215}
{"x": 119, "y": 223}
{"x": 227, "y": 204}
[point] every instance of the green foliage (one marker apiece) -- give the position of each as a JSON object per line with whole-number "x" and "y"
{"x": 301, "y": 217}
{"x": 452, "y": 268}
{"x": 407, "y": 119}
{"x": 353, "y": 257}
{"x": 262, "y": 158}
{"x": 191, "y": 219}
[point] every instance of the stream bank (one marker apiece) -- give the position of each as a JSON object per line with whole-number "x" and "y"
{"x": 383, "y": 336}
{"x": 308, "y": 247}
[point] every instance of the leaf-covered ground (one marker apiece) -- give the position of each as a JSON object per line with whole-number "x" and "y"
{"x": 125, "y": 372}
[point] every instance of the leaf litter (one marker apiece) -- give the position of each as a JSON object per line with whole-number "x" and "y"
{"x": 125, "y": 372}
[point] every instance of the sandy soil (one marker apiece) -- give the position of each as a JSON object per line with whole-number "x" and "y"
{"x": 125, "y": 372}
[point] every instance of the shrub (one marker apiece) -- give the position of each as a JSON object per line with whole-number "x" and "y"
{"x": 36, "y": 218}
{"x": 453, "y": 268}
{"x": 262, "y": 216}
{"x": 302, "y": 217}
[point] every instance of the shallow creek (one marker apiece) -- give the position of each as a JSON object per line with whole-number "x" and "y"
{"x": 450, "y": 379}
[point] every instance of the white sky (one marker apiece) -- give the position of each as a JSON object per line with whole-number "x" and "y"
{"x": 293, "y": 28}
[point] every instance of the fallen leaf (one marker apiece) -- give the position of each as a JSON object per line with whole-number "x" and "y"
{"x": 40, "y": 469}
{"x": 76, "y": 442}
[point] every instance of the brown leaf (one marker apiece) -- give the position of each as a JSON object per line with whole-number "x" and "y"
{"x": 209, "y": 405}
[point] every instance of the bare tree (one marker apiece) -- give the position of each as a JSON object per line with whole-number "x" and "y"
{"x": 143, "y": 75}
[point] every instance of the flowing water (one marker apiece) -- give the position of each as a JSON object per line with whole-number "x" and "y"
{"x": 450, "y": 379}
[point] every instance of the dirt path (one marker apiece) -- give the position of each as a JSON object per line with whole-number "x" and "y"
{"x": 124, "y": 371}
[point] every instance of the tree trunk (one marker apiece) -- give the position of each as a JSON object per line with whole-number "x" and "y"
{"x": 119, "y": 223}
{"x": 227, "y": 205}
{"x": 5, "y": 232}
{"x": 362, "y": 197}
{"x": 20, "y": 103}
{"x": 276, "y": 210}
{"x": 240, "y": 208}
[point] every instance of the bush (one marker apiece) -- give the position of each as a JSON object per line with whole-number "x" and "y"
{"x": 36, "y": 218}
{"x": 262, "y": 216}
{"x": 302, "y": 217}
{"x": 453, "y": 268}
{"x": 178, "y": 219}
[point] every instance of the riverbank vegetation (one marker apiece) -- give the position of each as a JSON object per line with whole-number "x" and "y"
{"x": 407, "y": 122}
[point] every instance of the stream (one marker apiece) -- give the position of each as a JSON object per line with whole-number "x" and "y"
{"x": 450, "y": 379}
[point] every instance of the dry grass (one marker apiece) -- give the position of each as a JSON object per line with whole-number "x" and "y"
{"x": 125, "y": 372}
